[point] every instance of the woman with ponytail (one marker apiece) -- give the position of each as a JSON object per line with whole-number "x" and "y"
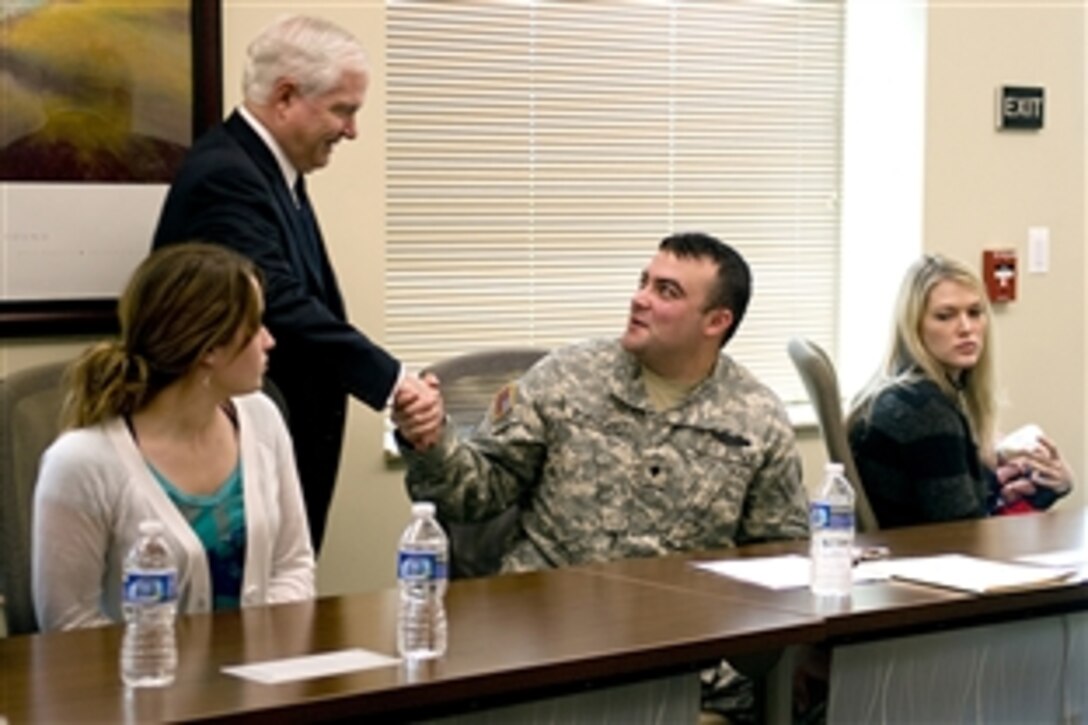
{"x": 167, "y": 423}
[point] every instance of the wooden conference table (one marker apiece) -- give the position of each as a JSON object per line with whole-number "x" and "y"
{"x": 883, "y": 609}
{"x": 528, "y": 637}
{"x": 908, "y": 653}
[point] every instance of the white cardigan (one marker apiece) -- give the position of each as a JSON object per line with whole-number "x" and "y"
{"x": 94, "y": 488}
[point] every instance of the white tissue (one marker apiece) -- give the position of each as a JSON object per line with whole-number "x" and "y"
{"x": 1021, "y": 440}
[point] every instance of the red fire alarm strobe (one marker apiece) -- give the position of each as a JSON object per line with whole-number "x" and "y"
{"x": 999, "y": 274}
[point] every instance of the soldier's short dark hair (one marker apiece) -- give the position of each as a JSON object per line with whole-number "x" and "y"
{"x": 734, "y": 286}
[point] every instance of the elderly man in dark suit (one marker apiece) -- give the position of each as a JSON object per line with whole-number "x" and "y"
{"x": 243, "y": 185}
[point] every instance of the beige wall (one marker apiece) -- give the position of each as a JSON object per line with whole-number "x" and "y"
{"x": 982, "y": 188}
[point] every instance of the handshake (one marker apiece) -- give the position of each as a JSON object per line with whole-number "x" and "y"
{"x": 418, "y": 411}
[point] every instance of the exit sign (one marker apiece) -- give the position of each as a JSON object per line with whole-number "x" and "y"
{"x": 1020, "y": 107}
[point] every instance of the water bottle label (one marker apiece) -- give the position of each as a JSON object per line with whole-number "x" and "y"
{"x": 825, "y": 516}
{"x": 150, "y": 587}
{"x": 420, "y": 566}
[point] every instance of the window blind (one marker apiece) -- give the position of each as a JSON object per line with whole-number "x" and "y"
{"x": 537, "y": 152}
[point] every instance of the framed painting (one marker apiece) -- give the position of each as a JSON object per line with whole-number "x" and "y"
{"x": 99, "y": 101}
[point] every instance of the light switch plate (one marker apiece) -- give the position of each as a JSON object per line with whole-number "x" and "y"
{"x": 1038, "y": 250}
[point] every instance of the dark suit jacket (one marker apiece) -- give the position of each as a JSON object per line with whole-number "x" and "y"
{"x": 231, "y": 191}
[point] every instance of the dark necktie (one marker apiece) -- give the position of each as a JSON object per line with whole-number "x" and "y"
{"x": 310, "y": 243}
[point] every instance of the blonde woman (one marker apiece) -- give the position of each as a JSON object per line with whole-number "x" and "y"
{"x": 166, "y": 423}
{"x": 922, "y": 431}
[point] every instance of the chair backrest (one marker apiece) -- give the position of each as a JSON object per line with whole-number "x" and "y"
{"x": 30, "y": 402}
{"x": 818, "y": 375}
{"x": 469, "y": 383}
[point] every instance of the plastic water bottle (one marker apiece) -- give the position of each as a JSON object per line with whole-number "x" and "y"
{"x": 422, "y": 574}
{"x": 149, "y": 653}
{"x": 831, "y": 515}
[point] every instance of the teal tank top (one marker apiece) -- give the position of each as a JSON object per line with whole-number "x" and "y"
{"x": 219, "y": 520}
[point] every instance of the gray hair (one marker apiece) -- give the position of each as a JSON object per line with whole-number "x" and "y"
{"x": 311, "y": 51}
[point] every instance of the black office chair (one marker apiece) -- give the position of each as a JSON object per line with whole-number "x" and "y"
{"x": 818, "y": 375}
{"x": 30, "y": 403}
{"x": 469, "y": 383}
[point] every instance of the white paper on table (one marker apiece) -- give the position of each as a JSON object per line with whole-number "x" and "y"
{"x": 972, "y": 574}
{"x": 1067, "y": 558}
{"x": 781, "y": 572}
{"x": 309, "y": 667}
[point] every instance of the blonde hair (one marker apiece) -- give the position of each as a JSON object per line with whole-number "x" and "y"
{"x": 908, "y": 359}
{"x": 183, "y": 301}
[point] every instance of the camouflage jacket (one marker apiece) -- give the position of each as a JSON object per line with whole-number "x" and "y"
{"x": 601, "y": 475}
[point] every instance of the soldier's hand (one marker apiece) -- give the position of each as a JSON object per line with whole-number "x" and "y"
{"x": 418, "y": 411}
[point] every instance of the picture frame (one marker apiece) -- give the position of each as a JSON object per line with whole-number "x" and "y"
{"x": 44, "y": 317}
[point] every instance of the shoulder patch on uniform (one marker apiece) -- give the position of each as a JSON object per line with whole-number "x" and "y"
{"x": 503, "y": 402}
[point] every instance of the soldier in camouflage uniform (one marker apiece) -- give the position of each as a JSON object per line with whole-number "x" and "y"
{"x": 650, "y": 444}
